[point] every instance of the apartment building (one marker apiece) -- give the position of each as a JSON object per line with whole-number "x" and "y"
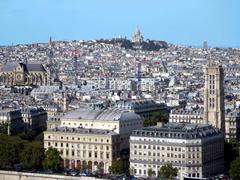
{"x": 197, "y": 150}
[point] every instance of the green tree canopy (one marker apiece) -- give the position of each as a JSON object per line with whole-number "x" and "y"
{"x": 117, "y": 167}
{"x": 4, "y": 128}
{"x": 32, "y": 155}
{"x": 52, "y": 159}
{"x": 155, "y": 117}
{"x": 151, "y": 173}
{"x": 10, "y": 148}
{"x": 230, "y": 154}
{"x": 235, "y": 169}
{"x": 167, "y": 171}
{"x": 15, "y": 150}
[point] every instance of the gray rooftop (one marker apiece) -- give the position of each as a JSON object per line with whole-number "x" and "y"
{"x": 82, "y": 131}
{"x": 27, "y": 67}
{"x": 9, "y": 67}
{"x": 178, "y": 131}
{"x": 35, "y": 67}
{"x": 98, "y": 114}
{"x": 138, "y": 104}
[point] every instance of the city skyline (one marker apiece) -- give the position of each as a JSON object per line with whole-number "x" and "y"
{"x": 179, "y": 22}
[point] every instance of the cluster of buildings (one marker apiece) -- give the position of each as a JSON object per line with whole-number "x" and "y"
{"x": 20, "y": 120}
{"x": 93, "y": 97}
{"x": 192, "y": 143}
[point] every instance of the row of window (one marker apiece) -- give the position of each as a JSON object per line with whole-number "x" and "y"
{"x": 196, "y": 121}
{"x": 168, "y": 148}
{"x": 83, "y": 146}
{"x": 84, "y": 139}
{"x": 168, "y": 161}
{"x": 161, "y": 134}
{"x": 159, "y": 154}
{"x": 211, "y": 77}
{"x": 181, "y": 116}
{"x": 154, "y": 147}
{"x": 85, "y": 154}
{"x": 169, "y": 155}
{"x": 145, "y": 173}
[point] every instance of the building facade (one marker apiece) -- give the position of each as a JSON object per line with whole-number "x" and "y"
{"x": 232, "y": 126}
{"x": 13, "y": 74}
{"x": 197, "y": 150}
{"x": 84, "y": 149}
{"x": 119, "y": 121}
{"x": 214, "y": 96}
{"x": 34, "y": 119}
{"x": 122, "y": 84}
{"x": 13, "y": 118}
{"x": 186, "y": 116}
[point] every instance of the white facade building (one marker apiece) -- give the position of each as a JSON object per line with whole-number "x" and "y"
{"x": 196, "y": 150}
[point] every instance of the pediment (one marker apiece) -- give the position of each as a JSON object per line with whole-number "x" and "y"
{"x": 19, "y": 68}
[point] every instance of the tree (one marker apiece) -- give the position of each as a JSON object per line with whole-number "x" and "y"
{"x": 4, "y": 128}
{"x": 100, "y": 169}
{"x": 155, "y": 117}
{"x": 117, "y": 167}
{"x": 151, "y": 173}
{"x": 31, "y": 135}
{"x": 10, "y": 148}
{"x": 32, "y": 155}
{"x": 167, "y": 171}
{"x": 235, "y": 169}
{"x": 52, "y": 159}
{"x": 230, "y": 154}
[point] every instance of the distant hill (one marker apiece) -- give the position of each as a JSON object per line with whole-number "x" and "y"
{"x": 148, "y": 45}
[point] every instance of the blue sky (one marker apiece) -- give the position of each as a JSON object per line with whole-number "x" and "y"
{"x": 187, "y": 22}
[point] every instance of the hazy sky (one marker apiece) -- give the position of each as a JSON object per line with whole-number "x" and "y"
{"x": 187, "y": 22}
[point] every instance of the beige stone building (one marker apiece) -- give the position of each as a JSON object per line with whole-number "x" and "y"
{"x": 118, "y": 121}
{"x": 89, "y": 137}
{"x": 214, "y": 96}
{"x": 196, "y": 150}
{"x": 83, "y": 148}
{"x": 12, "y": 74}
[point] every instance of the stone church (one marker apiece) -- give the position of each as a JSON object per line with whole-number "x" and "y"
{"x": 21, "y": 74}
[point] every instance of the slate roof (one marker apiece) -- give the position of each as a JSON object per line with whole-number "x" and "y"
{"x": 27, "y": 67}
{"x": 9, "y": 67}
{"x": 178, "y": 131}
{"x": 35, "y": 67}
